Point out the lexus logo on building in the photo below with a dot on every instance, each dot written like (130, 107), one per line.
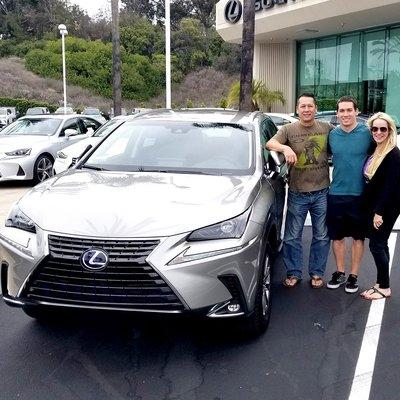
(233, 11)
(233, 8)
(94, 259)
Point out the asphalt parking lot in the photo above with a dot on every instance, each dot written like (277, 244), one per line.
(317, 347)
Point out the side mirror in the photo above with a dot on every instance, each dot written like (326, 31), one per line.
(70, 132)
(279, 158)
(277, 166)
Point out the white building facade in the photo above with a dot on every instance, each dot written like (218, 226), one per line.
(329, 47)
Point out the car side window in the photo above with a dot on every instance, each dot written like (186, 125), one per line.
(267, 130)
(89, 124)
(278, 120)
(71, 124)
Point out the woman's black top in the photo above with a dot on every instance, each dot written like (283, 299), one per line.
(382, 192)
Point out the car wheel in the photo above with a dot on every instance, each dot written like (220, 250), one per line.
(257, 322)
(43, 169)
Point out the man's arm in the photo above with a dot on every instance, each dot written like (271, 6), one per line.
(289, 154)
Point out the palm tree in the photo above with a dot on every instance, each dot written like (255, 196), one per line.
(116, 58)
(246, 72)
(262, 97)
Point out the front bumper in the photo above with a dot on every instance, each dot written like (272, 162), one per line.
(16, 168)
(206, 286)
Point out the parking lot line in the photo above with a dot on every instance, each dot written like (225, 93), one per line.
(361, 387)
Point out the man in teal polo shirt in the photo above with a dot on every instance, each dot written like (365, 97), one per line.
(349, 143)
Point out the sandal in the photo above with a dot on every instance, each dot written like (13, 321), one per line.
(291, 281)
(316, 282)
(374, 290)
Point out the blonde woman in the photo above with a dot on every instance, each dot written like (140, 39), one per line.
(382, 198)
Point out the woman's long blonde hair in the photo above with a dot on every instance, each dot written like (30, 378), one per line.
(387, 146)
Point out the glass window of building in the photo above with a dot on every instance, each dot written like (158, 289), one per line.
(365, 65)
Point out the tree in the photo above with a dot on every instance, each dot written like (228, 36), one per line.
(189, 45)
(141, 8)
(246, 72)
(116, 58)
(142, 37)
(261, 96)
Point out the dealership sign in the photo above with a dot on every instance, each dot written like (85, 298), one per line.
(234, 8)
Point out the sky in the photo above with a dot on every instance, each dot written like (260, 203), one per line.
(92, 6)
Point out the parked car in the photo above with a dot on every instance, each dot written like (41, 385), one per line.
(94, 113)
(68, 156)
(6, 116)
(123, 112)
(28, 147)
(280, 119)
(174, 212)
(37, 111)
(68, 110)
(330, 116)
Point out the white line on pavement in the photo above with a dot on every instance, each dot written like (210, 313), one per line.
(361, 387)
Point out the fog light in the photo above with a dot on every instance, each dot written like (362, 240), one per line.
(234, 307)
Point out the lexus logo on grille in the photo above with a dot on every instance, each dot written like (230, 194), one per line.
(94, 259)
(233, 11)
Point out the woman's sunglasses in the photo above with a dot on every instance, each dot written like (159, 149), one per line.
(383, 129)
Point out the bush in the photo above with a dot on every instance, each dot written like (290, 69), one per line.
(223, 103)
(89, 65)
(22, 104)
(326, 104)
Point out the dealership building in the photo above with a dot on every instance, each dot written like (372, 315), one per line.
(329, 47)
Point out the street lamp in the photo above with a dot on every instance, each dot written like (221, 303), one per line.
(63, 31)
(167, 54)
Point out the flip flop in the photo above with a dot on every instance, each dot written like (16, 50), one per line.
(375, 290)
(291, 281)
(316, 282)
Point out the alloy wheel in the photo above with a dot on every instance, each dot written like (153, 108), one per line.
(266, 287)
(44, 169)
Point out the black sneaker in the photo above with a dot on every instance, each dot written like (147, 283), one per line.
(338, 279)
(351, 284)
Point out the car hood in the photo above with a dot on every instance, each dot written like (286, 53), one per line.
(8, 143)
(110, 204)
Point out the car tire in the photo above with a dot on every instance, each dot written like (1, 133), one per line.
(43, 168)
(257, 322)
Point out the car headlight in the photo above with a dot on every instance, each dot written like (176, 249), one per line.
(17, 219)
(19, 152)
(62, 155)
(229, 229)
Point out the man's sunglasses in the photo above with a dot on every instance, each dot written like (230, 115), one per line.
(383, 129)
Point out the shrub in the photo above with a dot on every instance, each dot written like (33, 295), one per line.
(89, 65)
(22, 104)
(223, 103)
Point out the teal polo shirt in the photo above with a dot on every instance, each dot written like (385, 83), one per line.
(349, 153)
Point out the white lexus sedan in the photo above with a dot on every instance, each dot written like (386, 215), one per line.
(69, 155)
(29, 146)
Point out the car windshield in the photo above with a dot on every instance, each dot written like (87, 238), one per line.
(181, 147)
(91, 111)
(107, 128)
(3, 111)
(37, 126)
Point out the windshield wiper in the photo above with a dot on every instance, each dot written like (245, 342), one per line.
(146, 169)
(88, 166)
(177, 171)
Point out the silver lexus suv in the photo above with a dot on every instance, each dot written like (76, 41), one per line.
(174, 212)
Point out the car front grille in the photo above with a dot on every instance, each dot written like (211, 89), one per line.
(128, 281)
